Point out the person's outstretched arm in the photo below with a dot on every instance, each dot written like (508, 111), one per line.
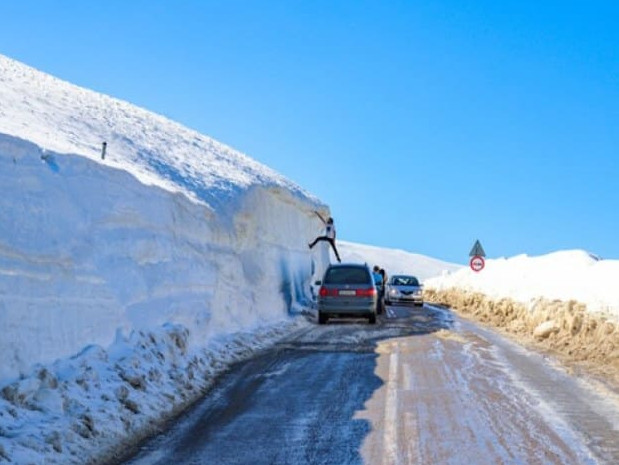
(320, 216)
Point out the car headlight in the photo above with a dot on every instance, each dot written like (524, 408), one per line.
(393, 292)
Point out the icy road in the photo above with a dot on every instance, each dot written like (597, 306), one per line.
(420, 387)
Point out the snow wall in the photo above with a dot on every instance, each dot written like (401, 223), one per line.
(88, 252)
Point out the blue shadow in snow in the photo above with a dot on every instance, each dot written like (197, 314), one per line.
(293, 288)
(50, 161)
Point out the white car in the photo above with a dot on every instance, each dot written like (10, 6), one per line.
(404, 289)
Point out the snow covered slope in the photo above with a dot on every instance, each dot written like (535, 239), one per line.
(171, 226)
(63, 118)
(396, 261)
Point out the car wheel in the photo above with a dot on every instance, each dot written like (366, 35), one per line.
(322, 318)
(372, 319)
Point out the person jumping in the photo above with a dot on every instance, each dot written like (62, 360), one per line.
(329, 235)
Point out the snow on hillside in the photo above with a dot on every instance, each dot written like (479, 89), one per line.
(66, 119)
(395, 261)
(564, 275)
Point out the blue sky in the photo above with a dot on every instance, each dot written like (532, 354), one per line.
(425, 125)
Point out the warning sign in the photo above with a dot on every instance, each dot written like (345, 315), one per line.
(477, 250)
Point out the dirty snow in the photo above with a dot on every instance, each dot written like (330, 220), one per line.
(566, 302)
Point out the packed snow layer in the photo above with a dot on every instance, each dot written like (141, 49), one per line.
(169, 226)
(563, 275)
(87, 251)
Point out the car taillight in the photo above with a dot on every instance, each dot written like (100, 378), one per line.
(324, 292)
(366, 292)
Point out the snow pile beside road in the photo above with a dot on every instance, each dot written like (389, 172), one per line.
(93, 407)
(566, 302)
(127, 282)
(564, 275)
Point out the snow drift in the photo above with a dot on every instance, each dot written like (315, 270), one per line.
(170, 226)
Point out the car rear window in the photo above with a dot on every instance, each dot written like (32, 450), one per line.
(347, 275)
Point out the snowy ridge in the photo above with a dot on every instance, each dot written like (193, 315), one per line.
(66, 119)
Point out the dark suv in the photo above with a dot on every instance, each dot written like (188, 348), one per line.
(347, 290)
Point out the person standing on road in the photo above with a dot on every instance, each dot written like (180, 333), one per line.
(383, 273)
(378, 277)
(379, 281)
(329, 235)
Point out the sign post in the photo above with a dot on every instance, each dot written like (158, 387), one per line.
(477, 255)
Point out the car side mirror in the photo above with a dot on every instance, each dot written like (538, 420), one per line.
(318, 283)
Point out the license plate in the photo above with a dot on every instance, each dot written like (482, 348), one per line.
(348, 292)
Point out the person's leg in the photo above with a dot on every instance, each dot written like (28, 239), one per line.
(337, 255)
(320, 238)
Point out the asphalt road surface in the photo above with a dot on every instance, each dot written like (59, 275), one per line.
(420, 387)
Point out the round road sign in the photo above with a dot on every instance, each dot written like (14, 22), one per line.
(477, 263)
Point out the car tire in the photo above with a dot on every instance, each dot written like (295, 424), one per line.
(322, 319)
(372, 319)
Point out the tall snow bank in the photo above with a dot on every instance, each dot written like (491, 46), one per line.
(170, 227)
